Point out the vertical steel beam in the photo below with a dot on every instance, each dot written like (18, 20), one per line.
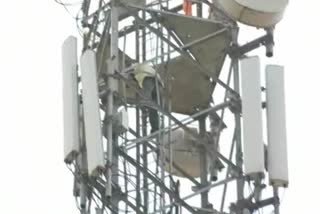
(82, 161)
(202, 151)
(236, 79)
(203, 163)
(111, 109)
(225, 186)
(276, 203)
(161, 153)
(111, 82)
(115, 174)
(239, 160)
(199, 10)
(145, 161)
(144, 127)
(138, 177)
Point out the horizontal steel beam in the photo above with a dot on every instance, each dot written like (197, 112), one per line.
(185, 122)
(205, 38)
(247, 204)
(239, 51)
(132, 28)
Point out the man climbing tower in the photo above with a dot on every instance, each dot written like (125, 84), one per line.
(187, 7)
(145, 75)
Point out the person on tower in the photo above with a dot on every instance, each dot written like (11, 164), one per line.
(187, 7)
(145, 75)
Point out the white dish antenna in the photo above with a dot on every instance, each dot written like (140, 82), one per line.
(258, 13)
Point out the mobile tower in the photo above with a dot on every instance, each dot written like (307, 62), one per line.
(186, 165)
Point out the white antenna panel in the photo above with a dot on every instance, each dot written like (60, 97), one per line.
(253, 147)
(258, 13)
(276, 123)
(91, 108)
(70, 99)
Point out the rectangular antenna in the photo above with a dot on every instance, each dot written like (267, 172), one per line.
(253, 147)
(93, 133)
(276, 123)
(70, 99)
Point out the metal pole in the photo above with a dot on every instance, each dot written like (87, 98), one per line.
(114, 85)
(236, 79)
(239, 160)
(144, 129)
(115, 174)
(199, 10)
(276, 200)
(123, 65)
(83, 166)
(145, 162)
(203, 163)
(202, 151)
(138, 195)
(224, 192)
(160, 123)
(157, 159)
(111, 82)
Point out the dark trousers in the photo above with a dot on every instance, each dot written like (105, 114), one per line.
(149, 90)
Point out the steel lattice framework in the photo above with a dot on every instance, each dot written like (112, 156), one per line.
(140, 171)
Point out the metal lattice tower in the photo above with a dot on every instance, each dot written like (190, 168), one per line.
(186, 165)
